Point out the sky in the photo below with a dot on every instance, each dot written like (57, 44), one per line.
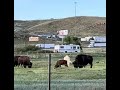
(57, 9)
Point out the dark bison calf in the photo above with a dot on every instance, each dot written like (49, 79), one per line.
(61, 62)
(82, 60)
(25, 61)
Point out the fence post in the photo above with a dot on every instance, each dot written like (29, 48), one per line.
(49, 72)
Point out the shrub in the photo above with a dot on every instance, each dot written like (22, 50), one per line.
(46, 51)
(28, 48)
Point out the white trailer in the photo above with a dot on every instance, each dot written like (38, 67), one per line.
(99, 39)
(67, 48)
(97, 45)
(46, 46)
(88, 38)
(83, 39)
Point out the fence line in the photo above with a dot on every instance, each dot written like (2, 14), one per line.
(37, 55)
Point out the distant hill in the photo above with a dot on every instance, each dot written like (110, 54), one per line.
(80, 26)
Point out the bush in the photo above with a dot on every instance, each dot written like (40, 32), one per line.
(32, 48)
(46, 51)
(28, 48)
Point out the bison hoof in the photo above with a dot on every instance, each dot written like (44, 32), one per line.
(24, 66)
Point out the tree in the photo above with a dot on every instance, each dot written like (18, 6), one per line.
(73, 40)
(67, 40)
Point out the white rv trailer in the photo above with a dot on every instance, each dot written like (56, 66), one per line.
(97, 45)
(46, 46)
(100, 39)
(67, 48)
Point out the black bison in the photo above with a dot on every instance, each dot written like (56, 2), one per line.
(82, 60)
(61, 62)
(16, 60)
(25, 61)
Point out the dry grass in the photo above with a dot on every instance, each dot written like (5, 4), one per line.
(83, 26)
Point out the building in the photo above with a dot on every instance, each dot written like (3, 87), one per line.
(98, 41)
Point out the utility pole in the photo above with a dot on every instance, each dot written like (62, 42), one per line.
(75, 16)
(49, 72)
(75, 8)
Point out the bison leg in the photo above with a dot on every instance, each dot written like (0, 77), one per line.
(24, 66)
(90, 65)
(29, 66)
(80, 66)
(18, 64)
(84, 66)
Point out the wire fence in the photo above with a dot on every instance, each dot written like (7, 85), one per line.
(36, 78)
(37, 55)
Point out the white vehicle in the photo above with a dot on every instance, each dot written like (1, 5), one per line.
(83, 39)
(88, 38)
(67, 48)
(46, 46)
(97, 45)
(99, 39)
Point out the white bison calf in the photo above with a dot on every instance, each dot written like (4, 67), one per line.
(67, 58)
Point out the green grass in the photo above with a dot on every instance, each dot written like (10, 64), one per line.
(40, 71)
(64, 85)
(36, 78)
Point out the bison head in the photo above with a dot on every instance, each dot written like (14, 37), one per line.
(76, 64)
(56, 66)
(30, 65)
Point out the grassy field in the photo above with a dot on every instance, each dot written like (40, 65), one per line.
(64, 78)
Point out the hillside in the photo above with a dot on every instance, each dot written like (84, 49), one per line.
(80, 26)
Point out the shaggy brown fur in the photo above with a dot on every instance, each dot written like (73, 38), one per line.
(61, 62)
(24, 60)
